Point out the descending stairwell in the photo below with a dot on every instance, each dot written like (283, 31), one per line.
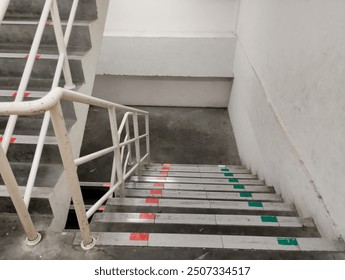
(218, 210)
(17, 32)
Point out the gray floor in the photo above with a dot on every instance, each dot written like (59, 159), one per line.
(178, 135)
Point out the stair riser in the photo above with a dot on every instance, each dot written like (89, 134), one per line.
(21, 37)
(25, 153)
(148, 209)
(87, 9)
(204, 229)
(37, 206)
(43, 68)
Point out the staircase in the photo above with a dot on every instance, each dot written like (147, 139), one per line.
(17, 32)
(197, 210)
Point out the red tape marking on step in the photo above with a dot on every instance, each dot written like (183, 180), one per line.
(155, 191)
(106, 185)
(36, 57)
(158, 185)
(101, 208)
(26, 94)
(161, 178)
(163, 173)
(166, 165)
(139, 236)
(11, 141)
(152, 200)
(147, 216)
(166, 169)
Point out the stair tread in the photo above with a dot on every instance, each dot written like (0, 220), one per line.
(203, 195)
(197, 187)
(195, 180)
(205, 204)
(215, 241)
(31, 139)
(200, 219)
(198, 174)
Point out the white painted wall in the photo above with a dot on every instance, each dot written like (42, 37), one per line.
(287, 105)
(175, 40)
(180, 38)
(174, 18)
(167, 56)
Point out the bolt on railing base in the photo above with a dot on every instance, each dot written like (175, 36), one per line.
(89, 246)
(35, 241)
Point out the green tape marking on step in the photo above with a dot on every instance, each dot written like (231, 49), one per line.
(255, 204)
(228, 174)
(233, 180)
(269, 219)
(225, 170)
(239, 187)
(246, 195)
(287, 241)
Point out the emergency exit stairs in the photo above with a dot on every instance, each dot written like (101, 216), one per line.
(203, 206)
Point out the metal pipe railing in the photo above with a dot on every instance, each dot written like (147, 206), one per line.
(51, 103)
(62, 65)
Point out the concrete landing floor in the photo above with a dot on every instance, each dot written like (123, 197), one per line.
(177, 135)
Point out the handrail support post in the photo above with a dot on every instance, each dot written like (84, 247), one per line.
(64, 144)
(137, 143)
(33, 237)
(117, 153)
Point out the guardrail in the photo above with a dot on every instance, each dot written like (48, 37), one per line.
(51, 103)
(62, 39)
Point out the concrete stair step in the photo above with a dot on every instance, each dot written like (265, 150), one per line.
(195, 167)
(232, 242)
(197, 205)
(23, 147)
(35, 84)
(20, 34)
(31, 9)
(39, 203)
(229, 196)
(197, 174)
(202, 219)
(225, 181)
(204, 229)
(31, 125)
(12, 66)
(187, 187)
(48, 173)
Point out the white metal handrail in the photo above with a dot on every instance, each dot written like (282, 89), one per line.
(50, 7)
(51, 103)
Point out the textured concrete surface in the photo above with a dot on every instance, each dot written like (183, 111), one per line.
(178, 135)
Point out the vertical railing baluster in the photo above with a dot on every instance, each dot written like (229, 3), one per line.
(137, 143)
(117, 152)
(147, 132)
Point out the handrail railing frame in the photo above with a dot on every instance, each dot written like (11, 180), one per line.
(51, 103)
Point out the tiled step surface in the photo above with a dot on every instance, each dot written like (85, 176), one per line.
(216, 241)
(32, 9)
(203, 206)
